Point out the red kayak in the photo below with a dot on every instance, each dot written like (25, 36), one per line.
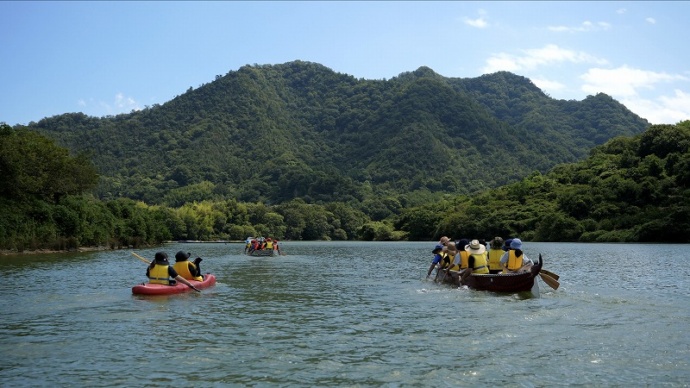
(163, 289)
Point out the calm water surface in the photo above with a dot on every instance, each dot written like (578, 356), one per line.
(350, 314)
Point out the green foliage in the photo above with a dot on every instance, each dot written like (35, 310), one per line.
(299, 152)
(31, 165)
(629, 189)
(299, 130)
(380, 231)
(619, 193)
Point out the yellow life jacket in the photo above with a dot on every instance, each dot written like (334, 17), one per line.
(182, 269)
(446, 260)
(464, 255)
(514, 262)
(495, 259)
(464, 259)
(269, 244)
(480, 264)
(159, 274)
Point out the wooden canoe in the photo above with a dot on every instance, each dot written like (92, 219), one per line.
(512, 282)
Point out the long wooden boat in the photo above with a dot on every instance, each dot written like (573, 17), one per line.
(511, 282)
(261, 252)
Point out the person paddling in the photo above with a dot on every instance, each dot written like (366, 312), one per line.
(515, 260)
(160, 271)
(495, 254)
(276, 247)
(437, 259)
(476, 261)
(187, 269)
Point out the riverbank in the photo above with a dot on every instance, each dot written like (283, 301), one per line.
(7, 252)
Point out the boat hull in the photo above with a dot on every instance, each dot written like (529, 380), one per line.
(179, 288)
(512, 282)
(262, 253)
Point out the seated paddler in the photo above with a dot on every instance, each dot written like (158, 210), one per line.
(161, 272)
(476, 261)
(515, 260)
(437, 259)
(187, 269)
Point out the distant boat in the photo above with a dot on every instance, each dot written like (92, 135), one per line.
(262, 252)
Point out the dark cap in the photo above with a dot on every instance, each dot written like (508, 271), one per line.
(181, 256)
(161, 257)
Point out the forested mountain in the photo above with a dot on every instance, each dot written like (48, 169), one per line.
(299, 152)
(271, 133)
(628, 189)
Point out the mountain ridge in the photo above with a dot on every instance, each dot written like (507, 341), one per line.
(272, 133)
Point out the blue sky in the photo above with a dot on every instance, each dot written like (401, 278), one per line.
(106, 58)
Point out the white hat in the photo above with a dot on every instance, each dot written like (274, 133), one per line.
(475, 247)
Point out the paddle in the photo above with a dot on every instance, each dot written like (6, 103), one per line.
(190, 285)
(141, 258)
(553, 275)
(551, 282)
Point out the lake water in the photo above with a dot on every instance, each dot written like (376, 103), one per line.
(351, 314)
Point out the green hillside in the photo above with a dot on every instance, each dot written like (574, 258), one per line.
(630, 189)
(273, 133)
(299, 152)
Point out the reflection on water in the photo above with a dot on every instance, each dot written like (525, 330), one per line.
(346, 314)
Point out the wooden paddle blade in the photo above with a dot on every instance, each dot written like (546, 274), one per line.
(553, 275)
(551, 282)
(141, 258)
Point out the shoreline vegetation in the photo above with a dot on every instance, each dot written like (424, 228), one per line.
(14, 252)
(628, 190)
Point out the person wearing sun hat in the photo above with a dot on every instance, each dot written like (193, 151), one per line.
(515, 259)
(459, 259)
(437, 258)
(450, 253)
(440, 255)
(476, 262)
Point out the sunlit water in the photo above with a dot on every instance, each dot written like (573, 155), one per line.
(346, 314)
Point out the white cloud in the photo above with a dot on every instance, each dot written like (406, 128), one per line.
(680, 101)
(664, 110)
(586, 26)
(650, 20)
(120, 104)
(501, 61)
(621, 11)
(623, 81)
(479, 22)
(629, 85)
(533, 58)
(548, 86)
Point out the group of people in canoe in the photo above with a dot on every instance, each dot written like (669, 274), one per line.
(466, 257)
(161, 272)
(261, 243)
